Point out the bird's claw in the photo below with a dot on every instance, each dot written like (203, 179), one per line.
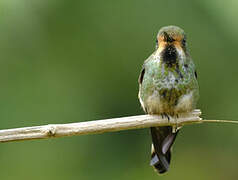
(164, 115)
(176, 127)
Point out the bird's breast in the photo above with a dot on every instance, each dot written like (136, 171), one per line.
(166, 90)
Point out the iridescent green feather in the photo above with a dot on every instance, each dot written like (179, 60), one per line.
(158, 77)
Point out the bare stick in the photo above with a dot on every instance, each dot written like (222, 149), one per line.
(220, 121)
(99, 126)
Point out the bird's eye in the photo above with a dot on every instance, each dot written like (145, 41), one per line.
(184, 42)
(156, 45)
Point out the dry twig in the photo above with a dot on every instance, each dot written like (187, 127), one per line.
(99, 126)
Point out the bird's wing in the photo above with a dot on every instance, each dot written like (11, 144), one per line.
(141, 76)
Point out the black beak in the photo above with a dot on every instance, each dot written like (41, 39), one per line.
(168, 38)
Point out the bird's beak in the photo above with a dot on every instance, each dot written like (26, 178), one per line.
(167, 38)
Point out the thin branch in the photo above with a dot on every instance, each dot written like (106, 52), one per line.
(99, 126)
(220, 121)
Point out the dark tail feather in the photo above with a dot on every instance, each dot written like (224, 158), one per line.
(163, 139)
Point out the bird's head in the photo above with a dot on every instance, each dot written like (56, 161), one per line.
(171, 43)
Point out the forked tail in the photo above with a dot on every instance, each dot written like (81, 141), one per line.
(163, 139)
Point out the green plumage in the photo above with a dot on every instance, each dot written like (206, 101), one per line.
(168, 86)
(162, 87)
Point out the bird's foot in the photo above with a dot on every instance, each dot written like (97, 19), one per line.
(164, 115)
(176, 127)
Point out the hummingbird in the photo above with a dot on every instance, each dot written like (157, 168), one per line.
(168, 87)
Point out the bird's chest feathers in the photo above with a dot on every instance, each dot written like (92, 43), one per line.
(165, 77)
(169, 87)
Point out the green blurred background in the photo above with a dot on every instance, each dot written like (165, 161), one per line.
(69, 61)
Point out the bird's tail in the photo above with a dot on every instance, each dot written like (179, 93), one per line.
(163, 139)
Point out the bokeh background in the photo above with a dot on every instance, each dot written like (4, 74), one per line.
(69, 61)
